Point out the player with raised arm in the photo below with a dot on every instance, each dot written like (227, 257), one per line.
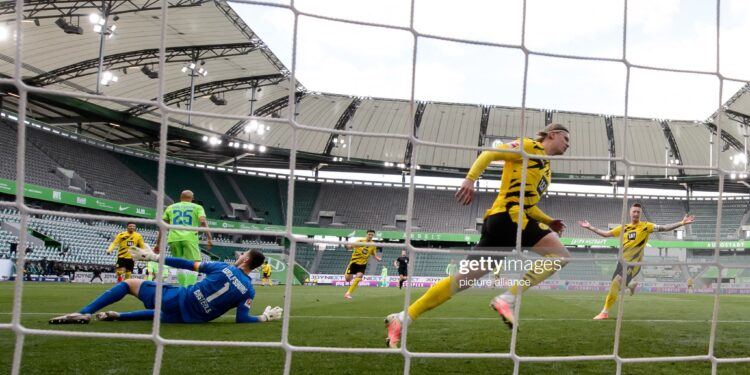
(224, 287)
(357, 265)
(402, 263)
(184, 243)
(635, 238)
(124, 240)
(539, 231)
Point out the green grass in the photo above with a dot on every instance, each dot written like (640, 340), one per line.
(552, 324)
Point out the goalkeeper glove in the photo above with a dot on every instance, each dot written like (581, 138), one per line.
(271, 313)
(143, 254)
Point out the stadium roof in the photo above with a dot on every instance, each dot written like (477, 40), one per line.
(246, 77)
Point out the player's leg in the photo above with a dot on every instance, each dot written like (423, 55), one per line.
(119, 271)
(632, 273)
(348, 275)
(129, 265)
(492, 237)
(109, 316)
(545, 243)
(614, 290)
(355, 282)
(107, 298)
(190, 251)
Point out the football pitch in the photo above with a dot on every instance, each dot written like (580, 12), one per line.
(552, 324)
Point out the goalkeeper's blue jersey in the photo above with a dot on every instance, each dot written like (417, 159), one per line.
(224, 287)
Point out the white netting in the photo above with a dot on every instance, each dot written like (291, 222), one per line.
(24, 210)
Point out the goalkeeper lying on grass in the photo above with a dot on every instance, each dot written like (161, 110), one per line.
(223, 288)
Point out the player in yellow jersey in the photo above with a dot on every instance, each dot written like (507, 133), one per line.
(634, 241)
(123, 241)
(501, 221)
(357, 265)
(265, 271)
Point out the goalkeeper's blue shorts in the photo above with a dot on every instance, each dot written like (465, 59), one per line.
(170, 300)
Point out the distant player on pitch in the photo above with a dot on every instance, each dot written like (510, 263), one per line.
(634, 241)
(124, 240)
(402, 263)
(265, 271)
(357, 265)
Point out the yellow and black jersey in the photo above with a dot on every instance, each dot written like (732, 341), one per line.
(634, 240)
(538, 178)
(265, 269)
(125, 240)
(363, 252)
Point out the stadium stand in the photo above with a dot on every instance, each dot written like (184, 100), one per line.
(106, 177)
(39, 167)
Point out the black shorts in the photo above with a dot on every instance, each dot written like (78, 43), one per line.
(500, 231)
(266, 275)
(126, 263)
(403, 272)
(631, 273)
(353, 268)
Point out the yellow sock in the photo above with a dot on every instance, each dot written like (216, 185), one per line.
(614, 289)
(127, 275)
(545, 269)
(435, 296)
(355, 282)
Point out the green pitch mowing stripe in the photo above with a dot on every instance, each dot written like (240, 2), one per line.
(552, 324)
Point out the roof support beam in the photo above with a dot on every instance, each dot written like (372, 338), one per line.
(210, 88)
(672, 144)
(726, 137)
(421, 106)
(40, 9)
(140, 58)
(270, 109)
(608, 123)
(483, 123)
(341, 125)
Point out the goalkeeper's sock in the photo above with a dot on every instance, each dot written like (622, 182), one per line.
(355, 282)
(127, 275)
(137, 315)
(442, 291)
(532, 277)
(614, 289)
(107, 298)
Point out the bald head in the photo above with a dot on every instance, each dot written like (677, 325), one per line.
(186, 196)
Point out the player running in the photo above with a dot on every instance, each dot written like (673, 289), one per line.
(539, 231)
(358, 263)
(124, 240)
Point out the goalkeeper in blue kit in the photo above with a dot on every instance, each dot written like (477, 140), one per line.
(224, 287)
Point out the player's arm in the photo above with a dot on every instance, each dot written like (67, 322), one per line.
(465, 193)
(537, 214)
(269, 314)
(204, 224)
(158, 236)
(140, 242)
(113, 244)
(603, 233)
(687, 220)
(375, 254)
